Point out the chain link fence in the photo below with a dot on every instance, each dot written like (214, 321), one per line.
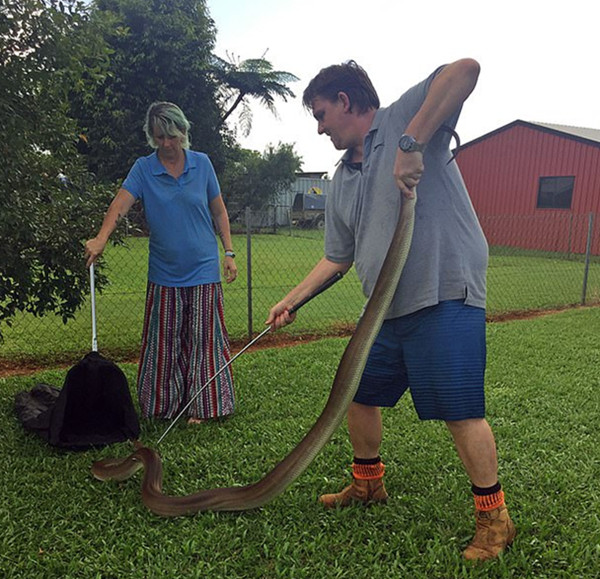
(536, 263)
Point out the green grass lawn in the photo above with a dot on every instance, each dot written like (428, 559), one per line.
(517, 281)
(530, 282)
(278, 263)
(543, 394)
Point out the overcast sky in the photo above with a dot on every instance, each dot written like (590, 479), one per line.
(539, 58)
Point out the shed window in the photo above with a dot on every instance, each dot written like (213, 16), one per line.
(555, 192)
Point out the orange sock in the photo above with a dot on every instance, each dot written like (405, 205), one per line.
(369, 471)
(488, 499)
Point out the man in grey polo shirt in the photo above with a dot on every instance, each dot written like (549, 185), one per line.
(433, 339)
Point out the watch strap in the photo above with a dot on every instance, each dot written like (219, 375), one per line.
(409, 144)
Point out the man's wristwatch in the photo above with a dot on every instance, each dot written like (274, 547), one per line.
(409, 144)
(229, 253)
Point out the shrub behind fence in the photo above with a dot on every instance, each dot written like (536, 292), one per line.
(273, 256)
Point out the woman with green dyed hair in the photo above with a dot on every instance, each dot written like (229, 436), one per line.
(169, 119)
(184, 339)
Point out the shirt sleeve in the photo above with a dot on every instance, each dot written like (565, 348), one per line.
(213, 189)
(411, 101)
(339, 214)
(134, 182)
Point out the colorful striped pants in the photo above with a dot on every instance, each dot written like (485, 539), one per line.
(184, 344)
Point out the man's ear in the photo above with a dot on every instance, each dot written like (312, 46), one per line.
(345, 100)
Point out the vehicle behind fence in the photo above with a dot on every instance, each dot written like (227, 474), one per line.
(273, 255)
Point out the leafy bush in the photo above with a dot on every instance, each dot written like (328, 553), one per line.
(48, 201)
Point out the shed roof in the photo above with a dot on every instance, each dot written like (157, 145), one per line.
(591, 136)
(586, 133)
(311, 175)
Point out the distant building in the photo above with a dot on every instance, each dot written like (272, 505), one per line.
(534, 185)
(315, 182)
(312, 175)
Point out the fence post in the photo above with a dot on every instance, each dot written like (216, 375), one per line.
(249, 267)
(569, 246)
(588, 253)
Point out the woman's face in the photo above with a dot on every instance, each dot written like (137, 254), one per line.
(169, 148)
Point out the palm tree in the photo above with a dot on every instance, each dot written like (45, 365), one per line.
(255, 78)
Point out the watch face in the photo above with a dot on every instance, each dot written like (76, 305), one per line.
(406, 143)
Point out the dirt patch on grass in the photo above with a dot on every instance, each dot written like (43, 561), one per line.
(529, 314)
(9, 368)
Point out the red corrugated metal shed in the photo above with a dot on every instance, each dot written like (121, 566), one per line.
(502, 171)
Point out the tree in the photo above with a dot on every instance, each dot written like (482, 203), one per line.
(161, 50)
(47, 199)
(255, 78)
(255, 180)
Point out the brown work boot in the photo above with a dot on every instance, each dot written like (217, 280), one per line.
(494, 532)
(361, 491)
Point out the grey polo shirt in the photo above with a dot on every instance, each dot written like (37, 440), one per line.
(449, 253)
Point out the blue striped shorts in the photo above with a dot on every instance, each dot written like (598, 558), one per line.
(438, 353)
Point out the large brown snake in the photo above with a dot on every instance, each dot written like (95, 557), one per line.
(344, 387)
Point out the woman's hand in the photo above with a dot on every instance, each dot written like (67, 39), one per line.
(93, 250)
(230, 270)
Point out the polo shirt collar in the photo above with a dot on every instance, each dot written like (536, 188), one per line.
(375, 136)
(158, 168)
(345, 160)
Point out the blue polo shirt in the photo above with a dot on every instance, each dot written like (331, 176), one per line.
(183, 244)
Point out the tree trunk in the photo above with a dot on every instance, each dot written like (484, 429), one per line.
(234, 106)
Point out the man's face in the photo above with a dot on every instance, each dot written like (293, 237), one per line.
(332, 118)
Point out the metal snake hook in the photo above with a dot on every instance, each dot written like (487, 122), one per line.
(326, 285)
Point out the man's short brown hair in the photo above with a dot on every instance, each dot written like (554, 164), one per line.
(348, 78)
